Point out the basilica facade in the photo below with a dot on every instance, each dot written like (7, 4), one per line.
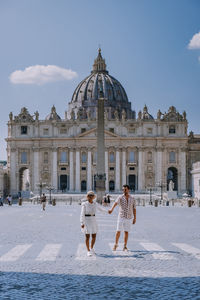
(144, 151)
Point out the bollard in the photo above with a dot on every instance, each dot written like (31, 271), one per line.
(143, 202)
(156, 203)
(20, 201)
(189, 203)
(54, 202)
(167, 203)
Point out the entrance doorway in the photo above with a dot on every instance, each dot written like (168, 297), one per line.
(131, 182)
(63, 182)
(111, 186)
(83, 185)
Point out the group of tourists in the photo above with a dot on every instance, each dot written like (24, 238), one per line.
(126, 217)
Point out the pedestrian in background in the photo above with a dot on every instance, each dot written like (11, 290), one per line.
(88, 221)
(1, 201)
(43, 201)
(9, 199)
(127, 215)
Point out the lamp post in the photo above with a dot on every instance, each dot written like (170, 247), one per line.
(41, 185)
(50, 189)
(149, 188)
(161, 185)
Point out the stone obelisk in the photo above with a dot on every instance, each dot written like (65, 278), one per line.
(100, 176)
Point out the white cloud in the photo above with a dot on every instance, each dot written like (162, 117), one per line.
(195, 42)
(41, 74)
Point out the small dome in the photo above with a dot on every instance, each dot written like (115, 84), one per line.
(97, 85)
(53, 115)
(146, 115)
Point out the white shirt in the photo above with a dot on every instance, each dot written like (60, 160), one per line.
(89, 209)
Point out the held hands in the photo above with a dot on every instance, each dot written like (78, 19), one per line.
(134, 220)
(110, 211)
(82, 226)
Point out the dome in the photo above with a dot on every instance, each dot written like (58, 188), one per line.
(100, 84)
(146, 115)
(53, 115)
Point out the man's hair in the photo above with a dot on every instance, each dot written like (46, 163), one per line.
(126, 186)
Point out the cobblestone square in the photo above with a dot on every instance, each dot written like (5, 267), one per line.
(43, 256)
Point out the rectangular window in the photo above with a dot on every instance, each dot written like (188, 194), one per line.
(83, 168)
(131, 168)
(95, 158)
(111, 157)
(131, 157)
(172, 157)
(149, 130)
(24, 130)
(172, 129)
(46, 131)
(131, 129)
(111, 130)
(24, 157)
(83, 157)
(63, 130)
(46, 158)
(63, 157)
(83, 130)
(112, 168)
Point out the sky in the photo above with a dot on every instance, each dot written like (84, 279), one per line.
(152, 47)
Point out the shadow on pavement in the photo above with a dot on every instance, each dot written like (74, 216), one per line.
(20, 285)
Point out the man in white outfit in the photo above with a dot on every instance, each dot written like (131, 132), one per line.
(126, 217)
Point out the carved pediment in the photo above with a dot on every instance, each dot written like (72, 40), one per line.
(93, 133)
(172, 115)
(24, 116)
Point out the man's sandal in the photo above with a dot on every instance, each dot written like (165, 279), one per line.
(125, 248)
(115, 247)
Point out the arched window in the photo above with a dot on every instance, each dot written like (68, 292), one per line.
(111, 157)
(83, 157)
(131, 156)
(24, 157)
(63, 157)
(172, 157)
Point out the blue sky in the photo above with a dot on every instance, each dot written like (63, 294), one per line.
(145, 44)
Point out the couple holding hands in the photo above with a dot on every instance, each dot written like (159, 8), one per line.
(126, 217)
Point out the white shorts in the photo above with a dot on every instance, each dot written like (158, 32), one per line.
(124, 224)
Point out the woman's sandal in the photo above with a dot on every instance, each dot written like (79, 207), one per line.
(115, 247)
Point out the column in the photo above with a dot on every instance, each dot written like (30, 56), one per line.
(13, 161)
(54, 180)
(89, 170)
(117, 171)
(36, 173)
(71, 170)
(124, 166)
(77, 183)
(140, 170)
(106, 170)
(182, 164)
(158, 164)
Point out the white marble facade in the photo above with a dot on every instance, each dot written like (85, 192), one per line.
(141, 150)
